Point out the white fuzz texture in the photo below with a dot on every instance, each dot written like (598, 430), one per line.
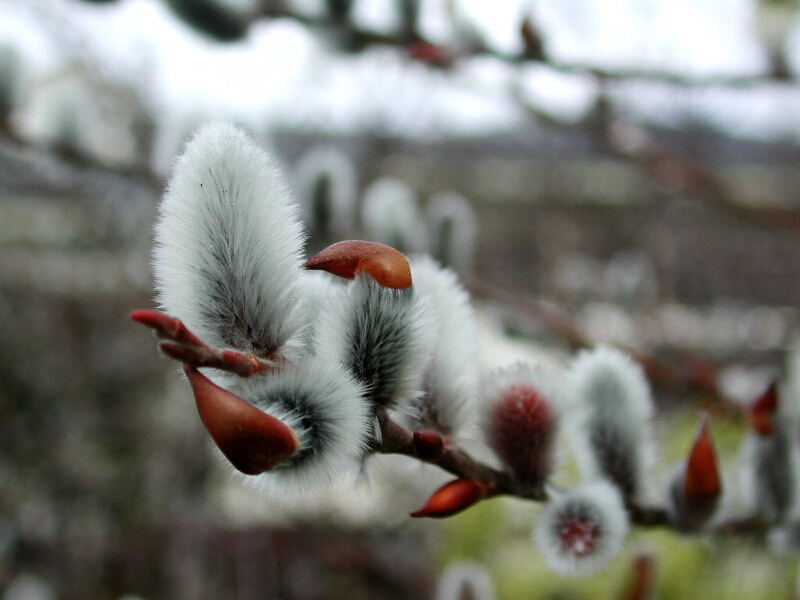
(453, 228)
(229, 244)
(390, 215)
(327, 409)
(465, 580)
(609, 428)
(769, 472)
(535, 376)
(597, 505)
(449, 401)
(318, 290)
(382, 336)
(328, 167)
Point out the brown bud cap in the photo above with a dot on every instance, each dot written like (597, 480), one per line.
(387, 266)
(452, 498)
(428, 444)
(761, 412)
(252, 440)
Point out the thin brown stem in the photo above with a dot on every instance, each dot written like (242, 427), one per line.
(181, 344)
(396, 439)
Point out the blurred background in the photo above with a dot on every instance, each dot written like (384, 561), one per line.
(622, 171)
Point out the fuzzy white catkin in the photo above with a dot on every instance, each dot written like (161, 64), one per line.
(461, 577)
(318, 290)
(449, 401)
(769, 472)
(332, 163)
(597, 503)
(383, 336)
(228, 244)
(453, 228)
(390, 215)
(228, 263)
(326, 407)
(609, 422)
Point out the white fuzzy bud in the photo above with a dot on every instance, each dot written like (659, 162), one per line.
(448, 403)
(581, 530)
(462, 580)
(390, 215)
(769, 472)
(609, 429)
(383, 336)
(229, 245)
(325, 183)
(326, 408)
(453, 228)
(318, 290)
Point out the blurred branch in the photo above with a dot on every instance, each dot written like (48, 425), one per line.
(351, 38)
(395, 439)
(678, 174)
(691, 372)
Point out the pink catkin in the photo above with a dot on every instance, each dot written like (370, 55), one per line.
(522, 429)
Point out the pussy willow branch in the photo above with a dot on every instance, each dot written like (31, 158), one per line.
(353, 39)
(181, 344)
(679, 377)
(396, 439)
(176, 341)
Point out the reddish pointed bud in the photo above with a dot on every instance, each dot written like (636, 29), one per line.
(252, 440)
(522, 430)
(701, 481)
(641, 585)
(695, 492)
(428, 444)
(761, 412)
(387, 266)
(452, 498)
